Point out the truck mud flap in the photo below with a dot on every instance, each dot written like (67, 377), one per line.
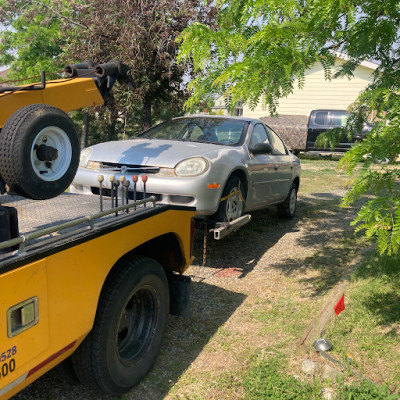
(8, 226)
(179, 288)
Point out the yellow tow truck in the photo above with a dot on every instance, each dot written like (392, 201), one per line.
(89, 289)
(86, 284)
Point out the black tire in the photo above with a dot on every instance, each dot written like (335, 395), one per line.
(287, 209)
(129, 326)
(233, 206)
(39, 151)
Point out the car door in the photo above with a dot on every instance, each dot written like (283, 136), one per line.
(283, 167)
(261, 172)
(318, 123)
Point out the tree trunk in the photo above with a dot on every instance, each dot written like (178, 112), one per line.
(146, 112)
(112, 133)
(85, 130)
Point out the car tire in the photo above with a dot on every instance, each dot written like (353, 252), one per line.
(231, 205)
(129, 326)
(39, 151)
(287, 209)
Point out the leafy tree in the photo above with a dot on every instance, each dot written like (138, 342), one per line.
(46, 34)
(141, 33)
(30, 40)
(262, 49)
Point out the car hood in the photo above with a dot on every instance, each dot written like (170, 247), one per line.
(152, 152)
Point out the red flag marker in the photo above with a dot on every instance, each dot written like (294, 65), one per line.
(339, 307)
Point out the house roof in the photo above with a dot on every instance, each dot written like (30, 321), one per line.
(367, 64)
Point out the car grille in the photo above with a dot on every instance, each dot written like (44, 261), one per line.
(130, 168)
(139, 195)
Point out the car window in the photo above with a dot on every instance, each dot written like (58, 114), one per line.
(322, 117)
(259, 135)
(229, 132)
(210, 130)
(195, 133)
(277, 144)
(339, 118)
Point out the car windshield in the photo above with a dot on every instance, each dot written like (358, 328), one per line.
(218, 130)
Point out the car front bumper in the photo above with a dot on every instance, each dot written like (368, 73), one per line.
(180, 191)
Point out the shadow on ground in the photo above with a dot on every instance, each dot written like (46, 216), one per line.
(185, 339)
(383, 305)
(325, 228)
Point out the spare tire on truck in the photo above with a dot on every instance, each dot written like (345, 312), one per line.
(39, 151)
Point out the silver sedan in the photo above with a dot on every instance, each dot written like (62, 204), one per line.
(220, 165)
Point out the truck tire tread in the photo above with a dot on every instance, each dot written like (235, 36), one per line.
(14, 159)
(97, 362)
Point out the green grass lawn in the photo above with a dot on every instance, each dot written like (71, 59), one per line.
(367, 332)
(323, 175)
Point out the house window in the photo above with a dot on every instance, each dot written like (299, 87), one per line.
(238, 112)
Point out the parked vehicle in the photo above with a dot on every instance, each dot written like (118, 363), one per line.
(88, 291)
(219, 165)
(322, 120)
(300, 132)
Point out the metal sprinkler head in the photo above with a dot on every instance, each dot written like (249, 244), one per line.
(322, 345)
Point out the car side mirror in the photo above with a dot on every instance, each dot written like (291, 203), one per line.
(261, 148)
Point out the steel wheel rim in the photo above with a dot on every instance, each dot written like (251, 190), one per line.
(136, 324)
(234, 205)
(56, 138)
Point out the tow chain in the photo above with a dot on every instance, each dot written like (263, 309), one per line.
(205, 244)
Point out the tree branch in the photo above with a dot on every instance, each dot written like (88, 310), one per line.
(58, 14)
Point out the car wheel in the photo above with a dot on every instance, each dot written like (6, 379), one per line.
(129, 326)
(287, 209)
(39, 151)
(232, 201)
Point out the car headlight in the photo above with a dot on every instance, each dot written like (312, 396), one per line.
(85, 156)
(192, 167)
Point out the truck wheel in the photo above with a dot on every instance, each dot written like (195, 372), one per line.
(233, 205)
(288, 207)
(129, 326)
(39, 151)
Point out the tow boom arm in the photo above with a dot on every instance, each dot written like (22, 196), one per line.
(39, 147)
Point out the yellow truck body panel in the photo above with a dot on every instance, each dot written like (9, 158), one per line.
(66, 284)
(65, 94)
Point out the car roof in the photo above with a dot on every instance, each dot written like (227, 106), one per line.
(219, 117)
(328, 109)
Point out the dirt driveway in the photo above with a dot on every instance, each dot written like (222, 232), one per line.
(258, 291)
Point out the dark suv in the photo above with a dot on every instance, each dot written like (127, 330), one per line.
(322, 120)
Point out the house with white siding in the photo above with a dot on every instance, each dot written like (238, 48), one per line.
(317, 93)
